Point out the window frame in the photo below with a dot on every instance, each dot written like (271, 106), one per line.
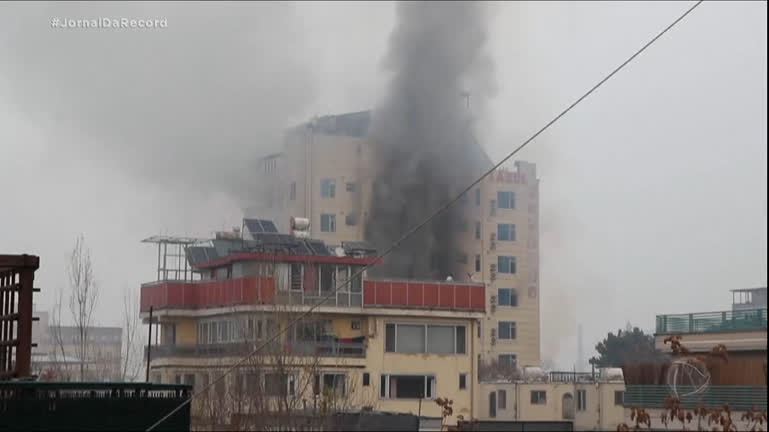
(509, 199)
(463, 381)
(330, 222)
(512, 327)
(619, 394)
(512, 296)
(512, 268)
(537, 400)
(508, 229)
(430, 386)
(581, 400)
(392, 348)
(327, 188)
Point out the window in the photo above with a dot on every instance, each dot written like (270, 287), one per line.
(477, 230)
(178, 380)
(507, 360)
(421, 338)
(477, 197)
(619, 397)
(351, 219)
(502, 399)
(493, 404)
(350, 187)
(506, 199)
(366, 379)
(477, 263)
(507, 297)
(292, 191)
(538, 397)
(462, 381)
(407, 387)
(277, 384)
(328, 223)
(506, 232)
(327, 188)
(355, 324)
(506, 330)
(581, 400)
(334, 384)
(506, 264)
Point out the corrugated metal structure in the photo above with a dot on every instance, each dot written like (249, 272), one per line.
(26, 406)
(739, 398)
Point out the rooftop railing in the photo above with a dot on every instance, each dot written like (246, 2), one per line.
(709, 322)
(320, 349)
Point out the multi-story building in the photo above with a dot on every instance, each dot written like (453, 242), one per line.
(325, 172)
(392, 345)
(58, 354)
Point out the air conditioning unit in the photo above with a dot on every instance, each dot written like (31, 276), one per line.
(493, 271)
(493, 303)
(493, 211)
(493, 241)
(493, 336)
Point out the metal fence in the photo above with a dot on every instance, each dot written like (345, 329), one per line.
(706, 322)
(739, 398)
(91, 406)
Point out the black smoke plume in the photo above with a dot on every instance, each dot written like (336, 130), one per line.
(422, 132)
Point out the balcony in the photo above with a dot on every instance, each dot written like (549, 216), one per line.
(712, 322)
(319, 349)
(466, 297)
(207, 294)
(739, 398)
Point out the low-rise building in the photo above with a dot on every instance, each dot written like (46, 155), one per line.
(590, 401)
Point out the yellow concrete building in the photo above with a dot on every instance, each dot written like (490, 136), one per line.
(325, 172)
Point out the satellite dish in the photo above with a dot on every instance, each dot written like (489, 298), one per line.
(339, 252)
(688, 376)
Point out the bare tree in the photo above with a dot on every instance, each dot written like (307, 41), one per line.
(59, 368)
(83, 296)
(131, 355)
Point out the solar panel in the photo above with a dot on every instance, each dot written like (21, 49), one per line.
(274, 239)
(317, 247)
(268, 226)
(199, 254)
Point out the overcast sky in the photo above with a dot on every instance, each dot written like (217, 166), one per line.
(653, 191)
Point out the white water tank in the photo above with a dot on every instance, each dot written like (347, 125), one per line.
(611, 374)
(300, 224)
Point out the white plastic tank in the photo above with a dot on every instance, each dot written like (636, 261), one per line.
(611, 374)
(299, 224)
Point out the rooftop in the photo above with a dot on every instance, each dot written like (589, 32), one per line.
(712, 322)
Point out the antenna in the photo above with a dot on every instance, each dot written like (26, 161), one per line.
(580, 350)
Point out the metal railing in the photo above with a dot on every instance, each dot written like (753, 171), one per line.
(321, 349)
(739, 398)
(91, 406)
(707, 322)
(340, 299)
(572, 377)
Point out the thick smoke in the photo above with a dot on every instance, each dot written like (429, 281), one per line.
(423, 132)
(190, 106)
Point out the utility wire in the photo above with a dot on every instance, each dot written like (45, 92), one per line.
(421, 225)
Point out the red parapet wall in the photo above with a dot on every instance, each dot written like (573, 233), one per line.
(424, 295)
(205, 294)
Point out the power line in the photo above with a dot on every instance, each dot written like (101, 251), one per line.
(421, 225)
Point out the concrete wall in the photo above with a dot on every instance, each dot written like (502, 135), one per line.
(599, 413)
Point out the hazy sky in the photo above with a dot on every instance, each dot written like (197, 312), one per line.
(653, 191)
